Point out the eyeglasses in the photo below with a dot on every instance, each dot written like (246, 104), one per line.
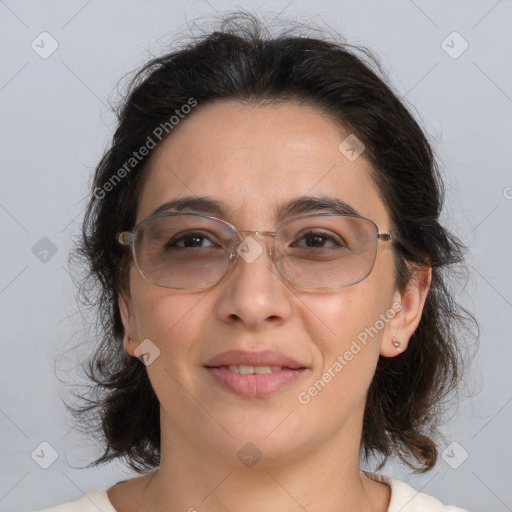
(192, 251)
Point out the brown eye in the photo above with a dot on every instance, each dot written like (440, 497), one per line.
(188, 240)
(319, 239)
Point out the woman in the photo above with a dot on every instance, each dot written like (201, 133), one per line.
(264, 231)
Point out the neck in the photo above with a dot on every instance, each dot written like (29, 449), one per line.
(323, 478)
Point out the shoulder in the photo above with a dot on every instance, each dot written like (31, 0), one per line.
(405, 498)
(91, 502)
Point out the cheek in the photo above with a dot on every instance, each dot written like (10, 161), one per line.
(335, 320)
(346, 330)
(347, 327)
(169, 319)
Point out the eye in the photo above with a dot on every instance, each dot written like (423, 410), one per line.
(189, 240)
(319, 239)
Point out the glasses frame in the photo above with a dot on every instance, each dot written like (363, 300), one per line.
(127, 238)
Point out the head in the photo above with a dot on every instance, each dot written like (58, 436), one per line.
(258, 124)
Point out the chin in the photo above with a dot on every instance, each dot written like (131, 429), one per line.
(267, 436)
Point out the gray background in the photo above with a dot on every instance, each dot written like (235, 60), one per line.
(55, 123)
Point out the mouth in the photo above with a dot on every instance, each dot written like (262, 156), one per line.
(251, 370)
(254, 374)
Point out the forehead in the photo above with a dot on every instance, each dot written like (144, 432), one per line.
(254, 159)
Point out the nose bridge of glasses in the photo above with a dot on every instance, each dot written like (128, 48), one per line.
(260, 233)
(242, 236)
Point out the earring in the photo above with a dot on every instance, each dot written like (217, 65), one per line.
(396, 344)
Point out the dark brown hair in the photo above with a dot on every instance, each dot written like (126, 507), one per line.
(241, 61)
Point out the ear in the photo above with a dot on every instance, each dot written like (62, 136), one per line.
(130, 329)
(409, 305)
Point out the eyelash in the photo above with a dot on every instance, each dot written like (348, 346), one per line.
(196, 234)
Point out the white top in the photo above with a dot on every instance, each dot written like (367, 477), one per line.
(403, 499)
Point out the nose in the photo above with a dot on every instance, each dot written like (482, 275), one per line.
(253, 292)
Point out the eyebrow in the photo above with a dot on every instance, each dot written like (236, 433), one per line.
(297, 206)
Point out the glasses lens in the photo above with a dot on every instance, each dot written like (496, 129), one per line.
(183, 251)
(327, 251)
(192, 251)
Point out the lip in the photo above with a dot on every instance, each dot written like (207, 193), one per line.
(254, 385)
(264, 358)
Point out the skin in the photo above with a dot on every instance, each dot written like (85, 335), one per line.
(254, 158)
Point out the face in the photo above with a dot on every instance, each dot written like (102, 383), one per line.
(255, 159)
